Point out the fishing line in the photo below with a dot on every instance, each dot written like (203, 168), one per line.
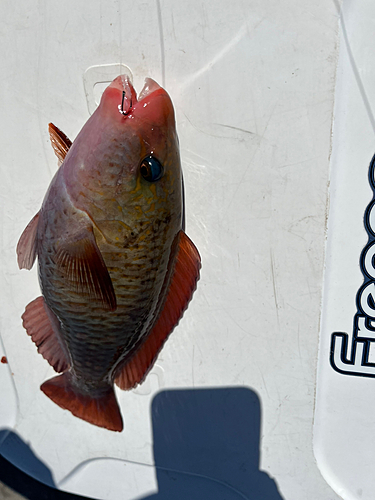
(355, 70)
(122, 71)
(161, 37)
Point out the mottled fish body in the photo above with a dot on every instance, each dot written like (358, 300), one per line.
(116, 269)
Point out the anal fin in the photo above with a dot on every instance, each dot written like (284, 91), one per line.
(42, 326)
(182, 286)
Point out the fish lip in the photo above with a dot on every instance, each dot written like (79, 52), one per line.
(127, 101)
(122, 83)
(149, 87)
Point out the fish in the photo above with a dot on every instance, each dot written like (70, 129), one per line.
(116, 268)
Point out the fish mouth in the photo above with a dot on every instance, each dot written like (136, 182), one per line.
(124, 84)
(129, 96)
(149, 87)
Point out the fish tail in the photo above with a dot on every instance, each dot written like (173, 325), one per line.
(102, 411)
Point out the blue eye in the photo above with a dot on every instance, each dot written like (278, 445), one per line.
(151, 169)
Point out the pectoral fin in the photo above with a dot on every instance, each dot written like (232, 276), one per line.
(27, 244)
(60, 142)
(182, 286)
(82, 263)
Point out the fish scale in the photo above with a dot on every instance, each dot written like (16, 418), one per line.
(121, 328)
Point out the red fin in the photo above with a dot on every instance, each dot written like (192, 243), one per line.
(182, 286)
(82, 263)
(60, 142)
(26, 247)
(102, 411)
(43, 327)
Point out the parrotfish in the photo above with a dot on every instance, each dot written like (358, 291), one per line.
(116, 269)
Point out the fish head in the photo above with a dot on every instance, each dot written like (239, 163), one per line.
(145, 124)
(127, 157)
(145, 131)
(120, 100)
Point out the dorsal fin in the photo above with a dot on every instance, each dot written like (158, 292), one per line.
(43, 327)
(27, 245)
(182, 286)
(60, 142)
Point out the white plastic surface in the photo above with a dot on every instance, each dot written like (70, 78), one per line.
(253, 86)
(344, 421)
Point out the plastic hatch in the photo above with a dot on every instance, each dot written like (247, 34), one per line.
(344, 429)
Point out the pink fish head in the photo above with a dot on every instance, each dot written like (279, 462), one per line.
(150, 116)
(125, 163)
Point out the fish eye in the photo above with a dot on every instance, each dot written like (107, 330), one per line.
(151, 169)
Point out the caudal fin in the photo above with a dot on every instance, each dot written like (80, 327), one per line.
(103, 411)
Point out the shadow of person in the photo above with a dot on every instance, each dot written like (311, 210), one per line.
(17, 452)
(206, 446)
(22, 471)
